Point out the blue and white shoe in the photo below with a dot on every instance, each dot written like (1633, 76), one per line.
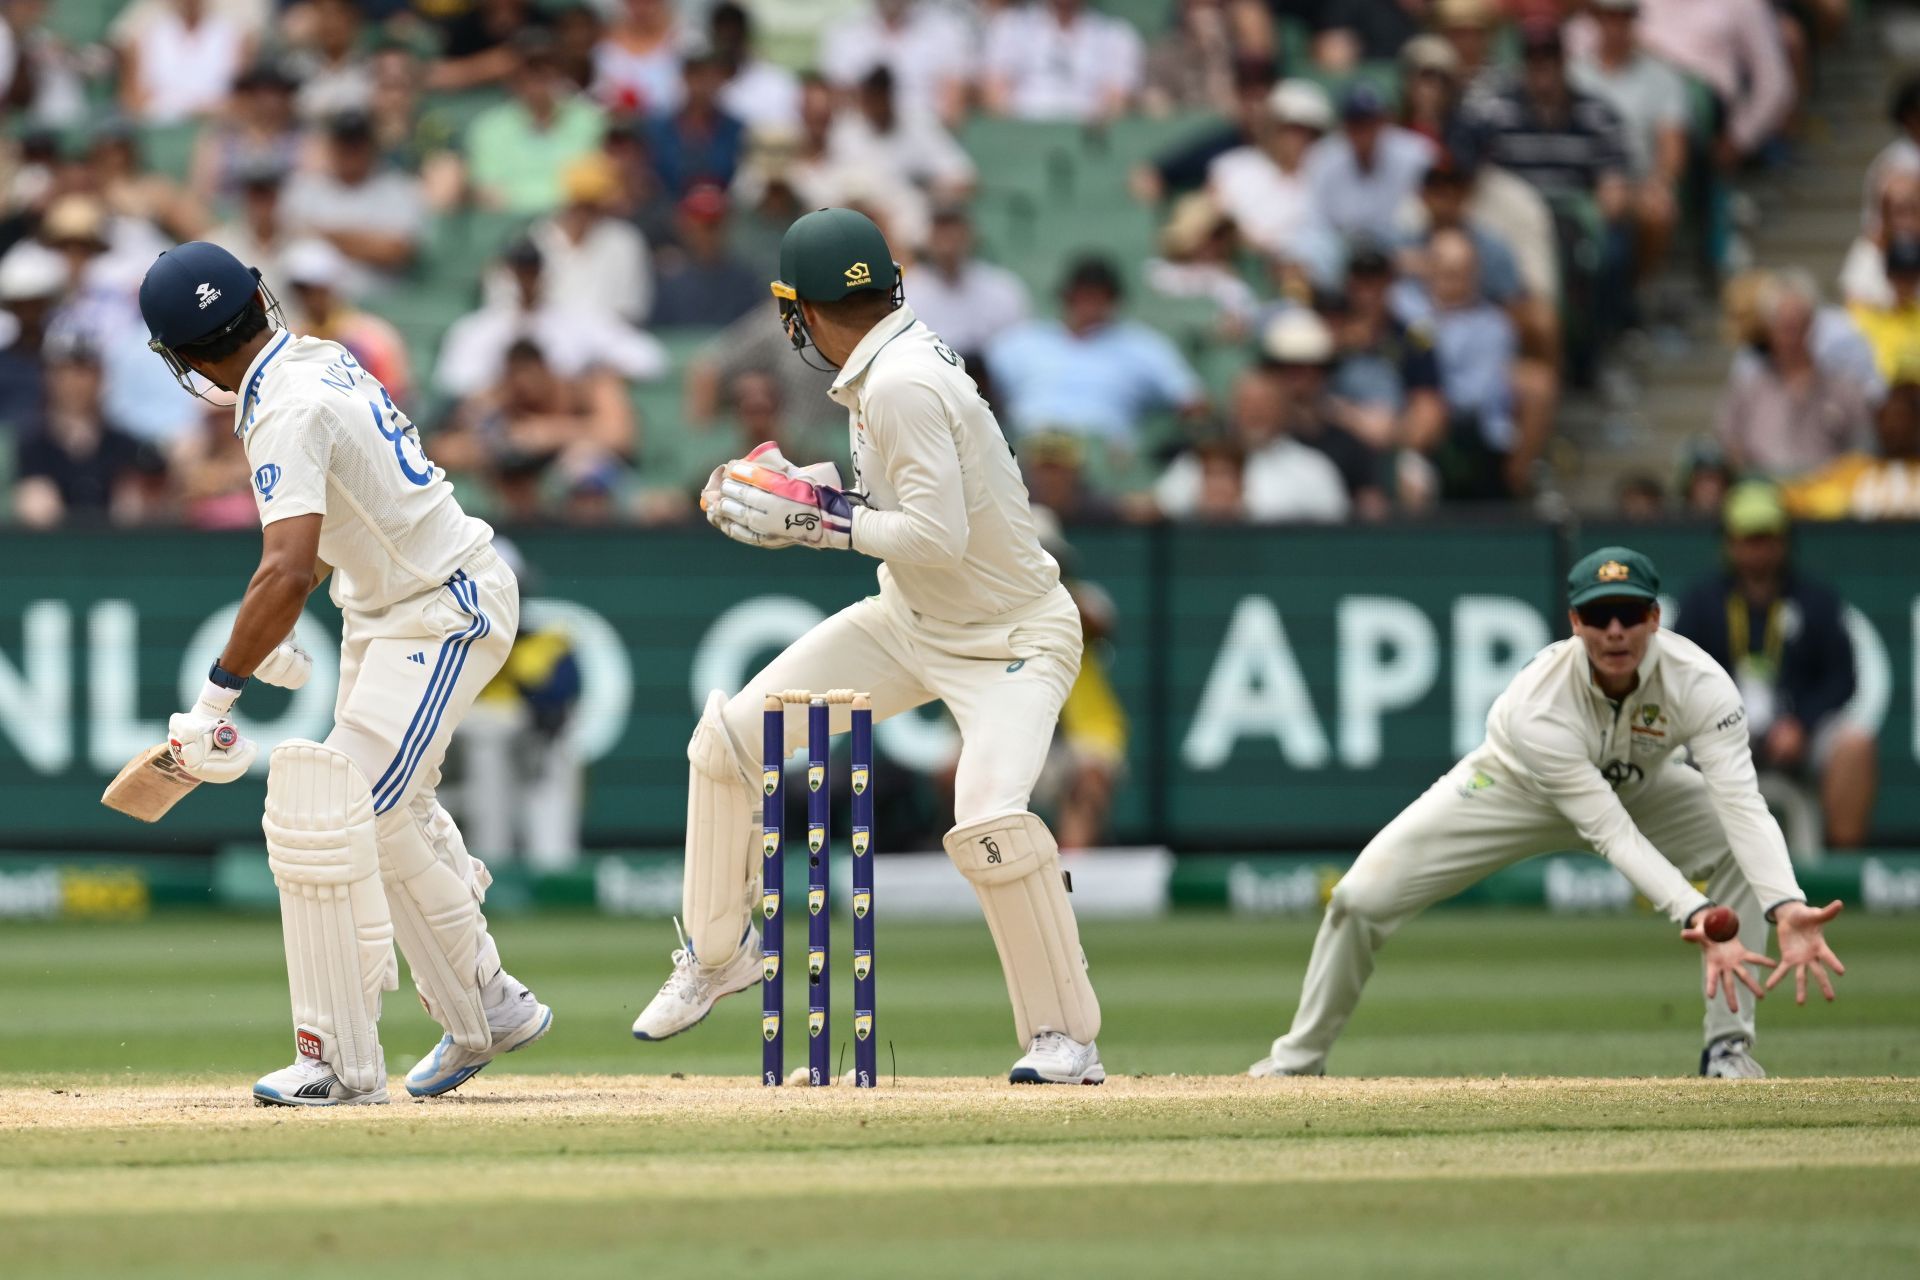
(692, 989)
(1057, 1058)
(311, 1082)
(521, 1019)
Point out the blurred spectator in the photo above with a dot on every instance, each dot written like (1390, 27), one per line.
(1265, 187)
(756, 412)
(1566, 143)
(1385, 374)
(1090, 372)
(256, 129)
(101, 307)
(211, 475)
(957, 295)
(1901, 157)
(1650, 101)
(642, 200)
(637, 63)
(1734, 48)
(1191, 67)
(373, 214)
(930, 50)
(73, 463)
(258, 234)
(178, 58)
(1360, 176)
(577, 29)
(1783, 638)
(533, 421)
(1296, 355)
(699, 142)
(758, 93)
(473, 354)
(1184, 166)
(1349, 32)
(1840, 350)
(518, 150)
(1059, 60)
(1443, 201)
(1430, 87)
(1198, 248)
(1470, 27)
(408, 137)
(134, 192)
(1639, 498)
(702, 283)
(1893, 330)
(40, 75)
(590, 259)
(1863, 486)
(1279, 478)
(1088, 758)
(334, 76)
(875, 137)
(1786, 413)
(476, 41)
(1705, 478)
(757, 343)
(1055, 467)
(315, 271)
(1500, 407)
(32, 278)
(1863, 276)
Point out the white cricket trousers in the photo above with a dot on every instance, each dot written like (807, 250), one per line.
(1456, 835)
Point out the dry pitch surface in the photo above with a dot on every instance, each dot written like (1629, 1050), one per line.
(605, 1175)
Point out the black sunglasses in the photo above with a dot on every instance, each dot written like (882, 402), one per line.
(1601, 613)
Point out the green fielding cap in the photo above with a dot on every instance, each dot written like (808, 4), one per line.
(830, 253)
(1610, 572)
(1754, 508)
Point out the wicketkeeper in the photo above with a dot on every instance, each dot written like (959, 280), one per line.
(970, 611)
(1583, 751)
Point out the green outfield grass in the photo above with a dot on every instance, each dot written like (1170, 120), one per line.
(1456, 993)
(127, 1145)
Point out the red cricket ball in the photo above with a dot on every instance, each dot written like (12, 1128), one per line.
(1720, 924)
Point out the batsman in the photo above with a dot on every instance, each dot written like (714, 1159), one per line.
(1584, 750)
(361, 851)
(970, 611)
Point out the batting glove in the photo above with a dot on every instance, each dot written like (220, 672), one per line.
(288, 666)
(205, 742)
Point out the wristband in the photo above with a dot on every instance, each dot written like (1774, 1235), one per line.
(226, 679)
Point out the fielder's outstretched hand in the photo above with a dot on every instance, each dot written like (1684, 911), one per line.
(1803, 947)
(1727, 964)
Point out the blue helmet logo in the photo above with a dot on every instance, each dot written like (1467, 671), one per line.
(265, 478)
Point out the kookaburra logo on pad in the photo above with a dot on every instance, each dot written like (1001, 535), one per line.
(207, 294)
(803, 520)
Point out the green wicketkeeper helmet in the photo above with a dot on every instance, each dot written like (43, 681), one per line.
(828, 255)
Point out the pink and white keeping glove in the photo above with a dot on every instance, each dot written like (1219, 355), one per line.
(764, 500)
(205, 742)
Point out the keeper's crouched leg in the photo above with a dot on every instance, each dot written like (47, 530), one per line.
(321, 848)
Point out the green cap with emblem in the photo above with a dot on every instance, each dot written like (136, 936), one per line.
(1612, 572)
(830, 253)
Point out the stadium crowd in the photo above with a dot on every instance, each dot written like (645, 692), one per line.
(1400, 234)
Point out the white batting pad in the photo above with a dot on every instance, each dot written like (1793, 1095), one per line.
(436, 888)
(339, 938)
(719, 879)
(1014, 865)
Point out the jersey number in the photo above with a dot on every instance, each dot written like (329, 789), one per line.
(400, 434)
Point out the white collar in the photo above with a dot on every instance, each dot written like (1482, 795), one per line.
(892, 326)
(256, 370)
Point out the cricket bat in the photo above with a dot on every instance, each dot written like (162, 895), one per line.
(149, 785)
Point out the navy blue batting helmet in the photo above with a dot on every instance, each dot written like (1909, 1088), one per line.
(193, 292)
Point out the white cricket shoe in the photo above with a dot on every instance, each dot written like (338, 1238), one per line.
(1267, 1069)
(310, 1082)
(1056, 1058)
(690, 993)
(1731, 1058)
(516, 1020)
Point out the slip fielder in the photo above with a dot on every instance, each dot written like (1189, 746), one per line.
(1583, 752)
(361, 851)
(970, 611)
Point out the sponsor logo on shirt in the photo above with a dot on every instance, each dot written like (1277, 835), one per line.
(1619, 772)
(1478, 782)
(1732, 718)
(265, 478)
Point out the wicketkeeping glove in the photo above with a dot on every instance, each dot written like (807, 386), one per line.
(765, 501)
